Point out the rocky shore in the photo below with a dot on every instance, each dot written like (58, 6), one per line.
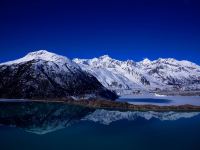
(107, 104)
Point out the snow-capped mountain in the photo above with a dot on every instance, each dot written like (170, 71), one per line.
(45, 56)
(114, 74)
(42, 74)
(128, 77)
(171, 74)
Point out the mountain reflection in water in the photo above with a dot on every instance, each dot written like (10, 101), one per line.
(42, 118)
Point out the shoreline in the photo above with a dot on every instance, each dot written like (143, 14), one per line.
(114, 105)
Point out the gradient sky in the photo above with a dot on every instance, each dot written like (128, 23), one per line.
(123, 29)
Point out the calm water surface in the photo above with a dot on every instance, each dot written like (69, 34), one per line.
(54, 126)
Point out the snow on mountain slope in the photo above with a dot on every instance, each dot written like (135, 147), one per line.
(124, 77)
(42, 74)
(172, 74)
(45, 56)
(128, 77)
(117, 75)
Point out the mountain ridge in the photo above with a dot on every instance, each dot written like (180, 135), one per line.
(123, 77)
(158, 75)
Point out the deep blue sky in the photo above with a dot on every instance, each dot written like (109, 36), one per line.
(124, 29)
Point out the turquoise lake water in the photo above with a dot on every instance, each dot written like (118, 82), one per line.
(54, 126)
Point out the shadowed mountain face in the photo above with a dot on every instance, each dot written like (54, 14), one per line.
(42, 118)
(43, 74)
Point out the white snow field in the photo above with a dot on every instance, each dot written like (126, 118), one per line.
(129, 77)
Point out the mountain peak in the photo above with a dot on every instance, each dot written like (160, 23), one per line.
(105, 57)
(41, 55)
(146, 61)
(39, 52)
(167, 60)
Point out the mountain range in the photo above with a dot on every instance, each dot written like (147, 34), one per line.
(129, 77)
(43, 74)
